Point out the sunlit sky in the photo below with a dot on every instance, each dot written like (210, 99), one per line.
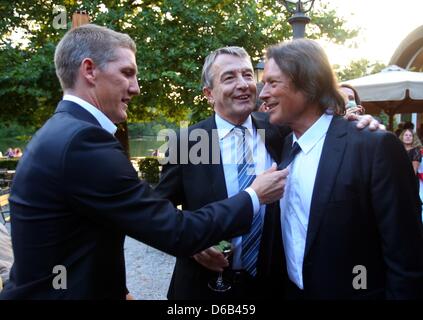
(383, 25)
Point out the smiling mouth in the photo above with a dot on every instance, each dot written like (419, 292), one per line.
(244, 97)
(125, 102)
(270, 106)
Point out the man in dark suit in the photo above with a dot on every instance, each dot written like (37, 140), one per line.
(228, 83)
(350, 213)
(75, 194)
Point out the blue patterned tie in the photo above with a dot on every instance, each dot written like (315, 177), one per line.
(246, 175)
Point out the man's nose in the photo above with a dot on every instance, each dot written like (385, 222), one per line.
(134, 88)
(242, 83)
(264, 93)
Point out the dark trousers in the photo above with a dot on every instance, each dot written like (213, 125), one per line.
(292, 292)
(243, 286)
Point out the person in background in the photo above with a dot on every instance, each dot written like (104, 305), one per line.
(416, 140)
(399, 129)
(412, 147)
(6, 255)
(408, 125)
(414, 151)
(17, 152)
(10, 153)
(352, 99)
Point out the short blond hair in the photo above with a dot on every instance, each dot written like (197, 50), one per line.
(87, 41)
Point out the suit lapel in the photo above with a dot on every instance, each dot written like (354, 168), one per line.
(215, 171)
(329, 164)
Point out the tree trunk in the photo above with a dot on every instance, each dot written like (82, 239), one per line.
(123, 137)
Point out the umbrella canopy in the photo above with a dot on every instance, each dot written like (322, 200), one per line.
(393, 90)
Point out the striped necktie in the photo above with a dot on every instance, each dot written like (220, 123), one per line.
(246, 175)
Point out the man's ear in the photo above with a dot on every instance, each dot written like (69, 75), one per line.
(209, 95)
(88, 70)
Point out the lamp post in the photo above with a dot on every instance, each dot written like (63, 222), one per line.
(79, 18)
(258, 74)
(258, 71)
(299, 19)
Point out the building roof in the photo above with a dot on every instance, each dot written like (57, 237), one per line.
(409, 54)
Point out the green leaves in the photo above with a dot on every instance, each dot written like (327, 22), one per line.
(223, 246)
(357, 68)
(173, 37)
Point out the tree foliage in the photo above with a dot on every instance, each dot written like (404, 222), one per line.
(357, 68)
(173, 37)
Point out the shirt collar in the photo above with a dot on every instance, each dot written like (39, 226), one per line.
(105, 122)
(224, 127)
(313, 134)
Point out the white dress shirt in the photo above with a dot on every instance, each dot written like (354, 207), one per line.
(296, 202)
(262, 160)
(105, 122)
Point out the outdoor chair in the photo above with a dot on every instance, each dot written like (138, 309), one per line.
(5, 178)
(4, 208)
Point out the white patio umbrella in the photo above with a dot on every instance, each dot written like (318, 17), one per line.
(393, 90)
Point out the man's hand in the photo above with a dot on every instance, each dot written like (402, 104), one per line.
(364, 121)
(263, 107)
(359, 110)
(269, 185)
(212, 259)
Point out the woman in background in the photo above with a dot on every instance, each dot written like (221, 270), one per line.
(352, 100)
(412, 146)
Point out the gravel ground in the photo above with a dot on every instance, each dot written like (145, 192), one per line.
(148, 271)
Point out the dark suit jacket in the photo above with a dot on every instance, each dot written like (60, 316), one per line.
(74, 198)
(195, 185)
(365, 211)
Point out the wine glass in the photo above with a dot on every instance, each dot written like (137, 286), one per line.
(218, 283)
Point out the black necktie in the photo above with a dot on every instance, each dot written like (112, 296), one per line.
(294, 151)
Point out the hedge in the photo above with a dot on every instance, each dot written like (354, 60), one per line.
(149, 168)
(9, 164)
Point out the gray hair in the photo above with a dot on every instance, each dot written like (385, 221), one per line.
(306, 64)
(206, 74)
(87, 41)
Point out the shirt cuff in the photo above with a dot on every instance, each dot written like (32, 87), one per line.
(254, 199)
